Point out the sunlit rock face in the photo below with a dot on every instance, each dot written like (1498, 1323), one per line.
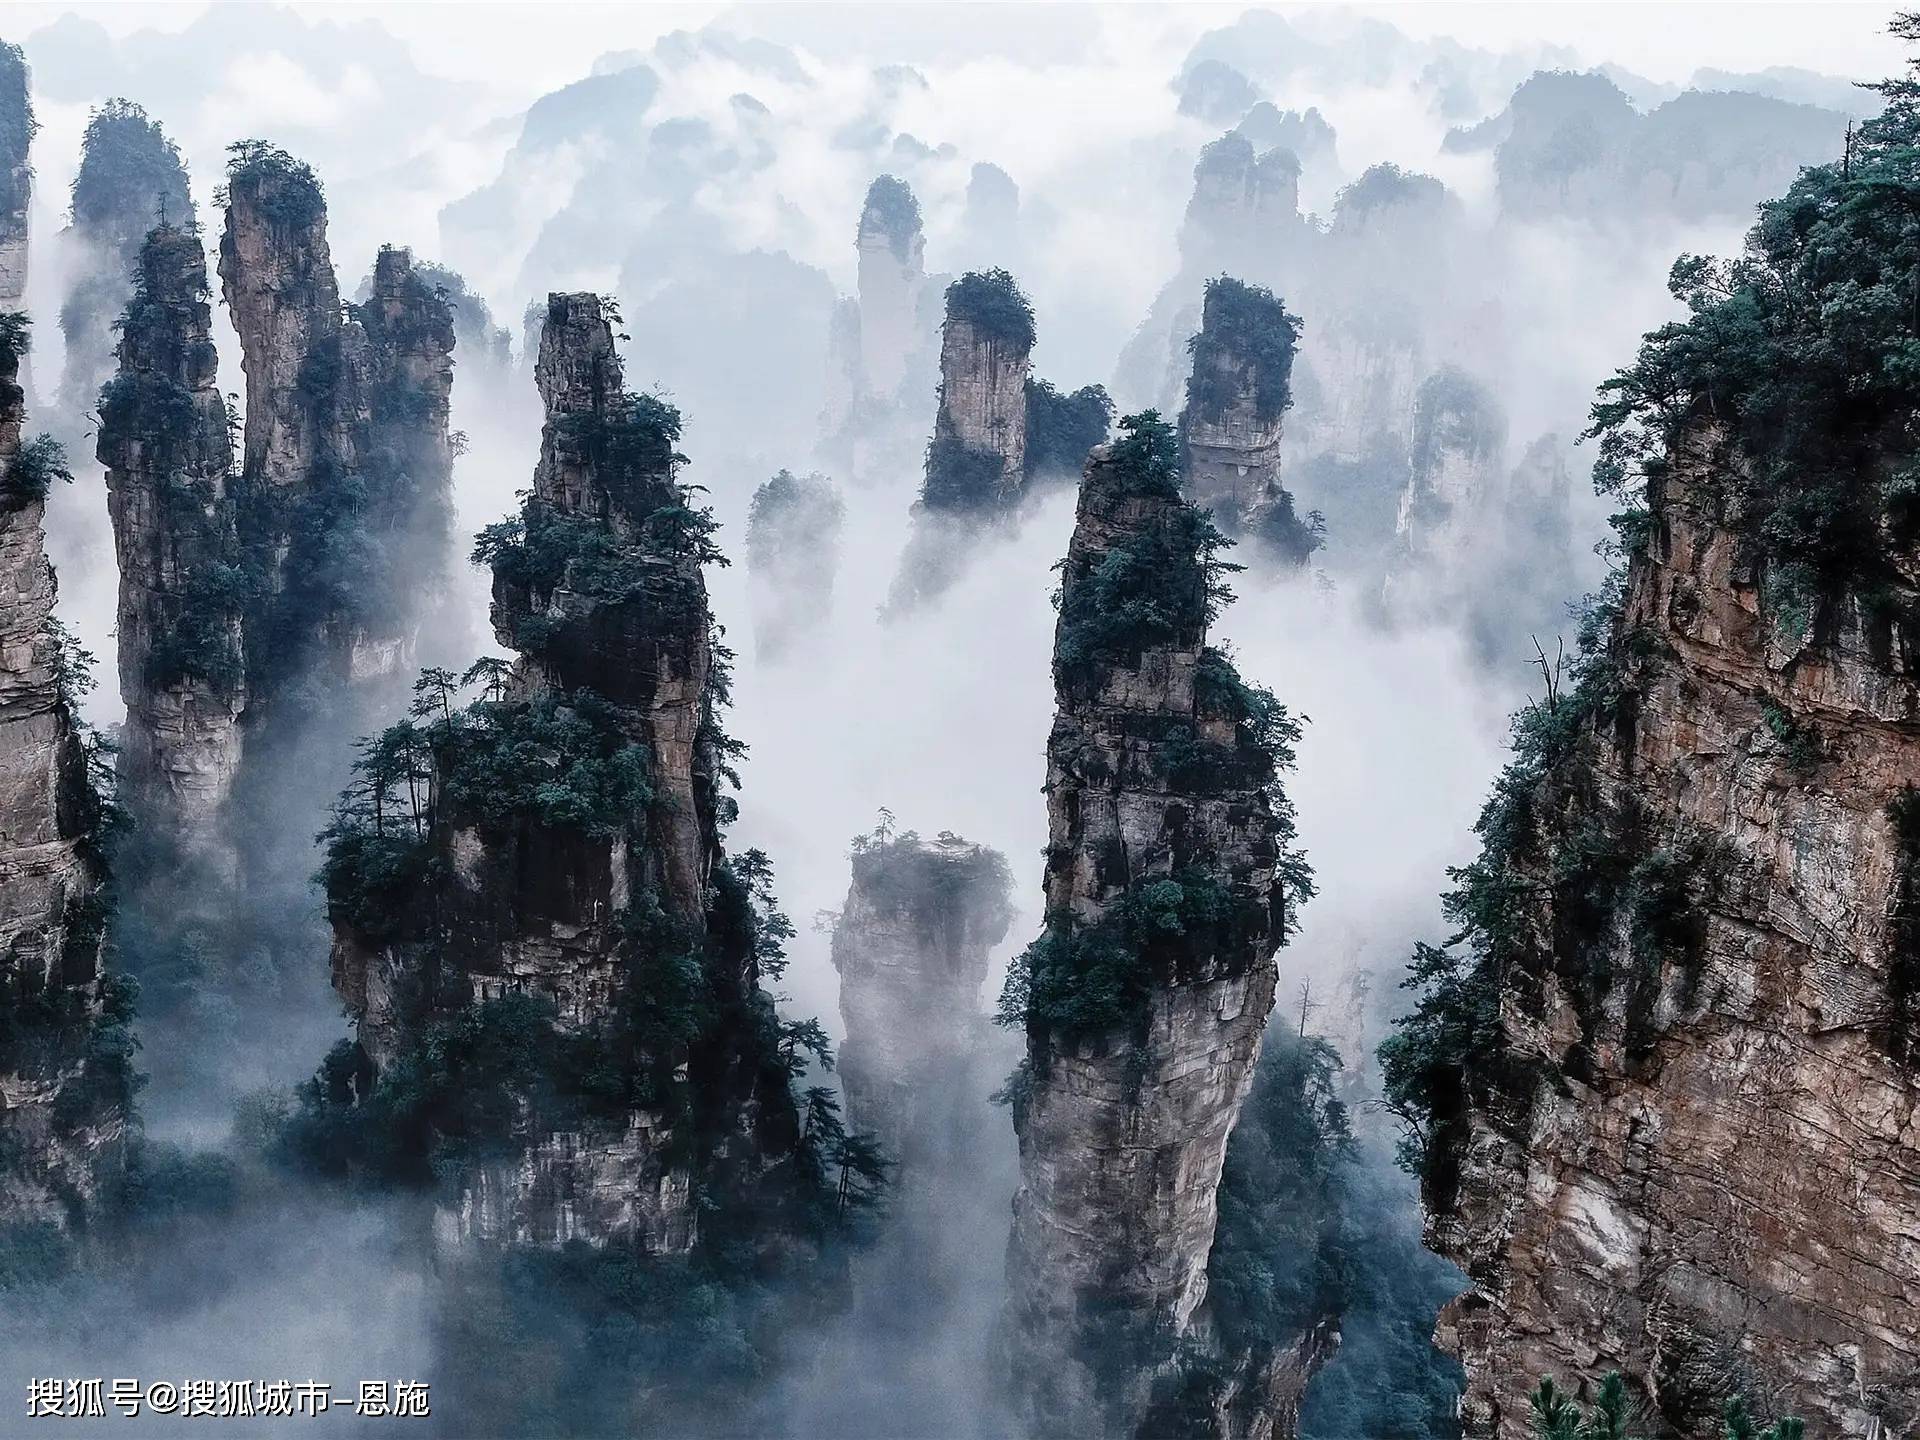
(165, 446)
(892, 251)
(16, 173)
(1123, 1132)
(65, 1054)
(1703, 1168)
(131, 180)
(912, 946)
(335, 399)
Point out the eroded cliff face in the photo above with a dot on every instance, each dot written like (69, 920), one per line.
(598, 587)
(1695, 1156)
(168, 456)
(1160, 804)
(912, 947)
(65, 1054)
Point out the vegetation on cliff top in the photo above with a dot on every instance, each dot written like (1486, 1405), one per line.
(17, 129)
(1244, 351)
(131, 177)
(992, 303)
(1806, 347)
(891, 209)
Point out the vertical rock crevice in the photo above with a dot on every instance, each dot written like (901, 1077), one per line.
(1171, 880)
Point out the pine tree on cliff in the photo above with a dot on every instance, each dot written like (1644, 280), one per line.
(1172, 880)
(1659, 912)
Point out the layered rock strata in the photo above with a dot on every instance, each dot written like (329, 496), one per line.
(183, 590)
(65, 1055)
(1168, 883)
(912, 947)
(1689, 1151)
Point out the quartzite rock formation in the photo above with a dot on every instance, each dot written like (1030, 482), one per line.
(1692, 1154)
(130, 180)
(598, 586)
(346, 430)
(912, 947)
(793, 552)
(168, 456)
(1162, 803)
(65, 1056)
(1237, 401)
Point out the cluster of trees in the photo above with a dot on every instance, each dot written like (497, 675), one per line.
(1556, 1415)
(1243, 351)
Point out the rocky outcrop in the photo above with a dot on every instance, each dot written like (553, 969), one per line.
(1237, 399)
(344, 482)
(183, 582)
(131, 179)
(1687, 1148)
(1457, 463)
(793, 552)
(599, 893)
(1169, 886)
(892, 254)
(912, 947)
(17, 126)
(66, 1075)
(1245, 205)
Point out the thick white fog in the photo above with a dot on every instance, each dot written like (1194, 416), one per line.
(706, 165)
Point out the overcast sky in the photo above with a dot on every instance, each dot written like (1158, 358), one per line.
(524, 49)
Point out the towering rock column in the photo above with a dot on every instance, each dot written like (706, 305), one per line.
(976, 462)
(1244, 204)
(912, 947)
(16, 174)
(65, 1054)
(1169, 883)
(183, 583)
(892, 250)
(600, 889)
(793, 552)
(1237, 399)
(344, 482)
(130, 180)
(1457, 463)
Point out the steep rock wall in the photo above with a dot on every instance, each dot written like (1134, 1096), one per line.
(1702, 1168)
(892, 272)
(16, 173)
(65, 1057)
(1124, 1119)
(164, 443)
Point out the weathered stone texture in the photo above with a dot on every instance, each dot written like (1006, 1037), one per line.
(1123, 1135)
(163, 440)
(1713, 1183)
